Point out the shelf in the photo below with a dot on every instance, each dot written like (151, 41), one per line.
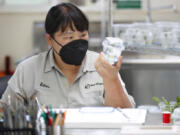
(154, 50)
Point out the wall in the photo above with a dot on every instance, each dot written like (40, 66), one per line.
(16, 35)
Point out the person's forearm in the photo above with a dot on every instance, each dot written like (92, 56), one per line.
(115, 95)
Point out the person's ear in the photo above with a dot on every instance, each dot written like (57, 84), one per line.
(48, 39)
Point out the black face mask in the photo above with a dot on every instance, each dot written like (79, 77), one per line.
(73, 52)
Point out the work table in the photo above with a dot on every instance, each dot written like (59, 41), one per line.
(153, 126)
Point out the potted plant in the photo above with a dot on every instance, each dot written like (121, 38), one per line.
(167, 108)
(166, 105)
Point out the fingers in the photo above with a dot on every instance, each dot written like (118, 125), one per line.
(96, 64)
(102, 59)
(106, 70)
(118, 64)
(104, 62)
(101, 62)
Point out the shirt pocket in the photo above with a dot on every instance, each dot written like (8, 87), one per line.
(92, 91)
(44, 95)
(43, 91)
(92, 96)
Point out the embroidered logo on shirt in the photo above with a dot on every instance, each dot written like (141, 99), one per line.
(44, 85)
(87, 86)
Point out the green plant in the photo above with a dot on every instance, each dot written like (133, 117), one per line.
(167, 104)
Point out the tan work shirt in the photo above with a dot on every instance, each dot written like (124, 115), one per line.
(39, 74)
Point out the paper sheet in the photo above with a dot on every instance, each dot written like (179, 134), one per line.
(103, 117)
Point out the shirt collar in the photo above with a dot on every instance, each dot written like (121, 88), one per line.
(49, 62)
(89, 61)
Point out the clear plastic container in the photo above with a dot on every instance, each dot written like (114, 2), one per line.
(120, 29)
(164, 107)
(150, 108)
(156, 38)
(167, 39)
(112, 48)
(176, 38)
(176, 116)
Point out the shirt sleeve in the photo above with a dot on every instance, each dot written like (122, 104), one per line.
(14, 86)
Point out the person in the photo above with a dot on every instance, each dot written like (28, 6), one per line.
(69, 74)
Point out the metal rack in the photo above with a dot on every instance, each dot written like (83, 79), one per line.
(151, 49)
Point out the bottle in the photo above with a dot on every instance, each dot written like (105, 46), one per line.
(112, 48)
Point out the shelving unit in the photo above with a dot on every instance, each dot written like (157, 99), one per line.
(154, 50)
(148, 49)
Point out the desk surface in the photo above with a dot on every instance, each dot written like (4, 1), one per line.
(152, 120)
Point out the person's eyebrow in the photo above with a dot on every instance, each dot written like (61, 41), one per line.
(66, 33)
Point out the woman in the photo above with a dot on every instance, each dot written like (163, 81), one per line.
(68, 74)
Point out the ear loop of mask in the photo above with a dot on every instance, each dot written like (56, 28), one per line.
(57, 43)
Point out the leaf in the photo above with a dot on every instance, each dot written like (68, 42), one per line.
(156, 99)
(165, 101)
(175, 106)
(178, 99)
(167, 104)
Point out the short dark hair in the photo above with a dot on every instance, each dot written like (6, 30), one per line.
(63, 15)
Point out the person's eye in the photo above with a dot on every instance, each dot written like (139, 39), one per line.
(69, 37)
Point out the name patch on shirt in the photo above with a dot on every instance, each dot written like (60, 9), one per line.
(91, 82)
(44, 85)
(87, 86)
